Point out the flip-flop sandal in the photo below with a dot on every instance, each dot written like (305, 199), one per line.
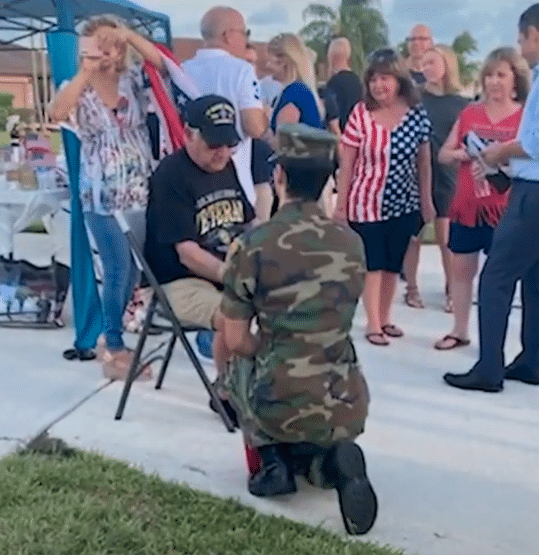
(392, 330)
(370, 337)
(457, 342)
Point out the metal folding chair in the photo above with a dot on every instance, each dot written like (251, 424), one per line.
(133, 225)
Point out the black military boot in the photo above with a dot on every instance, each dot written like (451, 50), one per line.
(344, 467)
(275, 476)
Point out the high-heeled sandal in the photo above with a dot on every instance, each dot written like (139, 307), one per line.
(116, 365)
(412, 297)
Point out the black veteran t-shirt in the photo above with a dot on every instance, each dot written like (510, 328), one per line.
(188, 204)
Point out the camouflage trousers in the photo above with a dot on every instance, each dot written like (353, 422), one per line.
(268, 421)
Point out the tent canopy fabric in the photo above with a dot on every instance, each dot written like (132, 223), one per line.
(20, 19)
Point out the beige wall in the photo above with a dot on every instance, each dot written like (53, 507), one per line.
(21, 87)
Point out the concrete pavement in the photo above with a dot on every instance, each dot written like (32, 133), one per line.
(455, 472)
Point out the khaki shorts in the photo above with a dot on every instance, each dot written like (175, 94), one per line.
(194, 301)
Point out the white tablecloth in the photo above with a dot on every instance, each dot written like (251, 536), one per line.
(20, 207)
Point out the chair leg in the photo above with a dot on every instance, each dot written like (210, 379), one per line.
(207, 384)
(166, 360)
(132, 374)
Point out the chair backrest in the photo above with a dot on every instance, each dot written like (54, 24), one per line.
(133, 221)
(133, 226)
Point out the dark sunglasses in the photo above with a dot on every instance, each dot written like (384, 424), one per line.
(382, 55)
(232, 147)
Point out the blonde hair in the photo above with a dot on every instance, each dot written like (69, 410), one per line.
(291, 49)
(92, 24)
(451, 80)
(518, 64)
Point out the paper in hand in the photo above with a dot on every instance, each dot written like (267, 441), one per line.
(494, 175)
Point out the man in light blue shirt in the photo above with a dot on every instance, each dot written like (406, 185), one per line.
(514, 254)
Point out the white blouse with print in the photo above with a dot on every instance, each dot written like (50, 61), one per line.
(116, 158)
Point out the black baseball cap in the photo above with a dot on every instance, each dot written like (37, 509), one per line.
(215, 117)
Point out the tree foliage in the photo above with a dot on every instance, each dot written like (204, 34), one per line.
(463, 45)
(360, 21)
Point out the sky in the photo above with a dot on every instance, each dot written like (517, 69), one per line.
(492, 23)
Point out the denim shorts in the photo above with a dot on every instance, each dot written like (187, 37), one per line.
(466, 240)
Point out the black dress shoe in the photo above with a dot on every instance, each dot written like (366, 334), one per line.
(471, 380)
(522, 373)
(345, 468)
(79, 354)
(275, 476)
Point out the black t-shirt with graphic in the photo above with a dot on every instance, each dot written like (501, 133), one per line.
(188, 204)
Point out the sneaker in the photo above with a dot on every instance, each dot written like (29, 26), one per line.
(116, 365)
(204, 341)
(345, 467)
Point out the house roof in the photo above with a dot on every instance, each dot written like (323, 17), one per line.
(16, 62)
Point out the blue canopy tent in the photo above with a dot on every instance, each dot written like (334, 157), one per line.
(19, 19)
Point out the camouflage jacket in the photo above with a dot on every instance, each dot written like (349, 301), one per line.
(301, 275)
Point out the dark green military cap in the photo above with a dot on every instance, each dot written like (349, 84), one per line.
(297, 141)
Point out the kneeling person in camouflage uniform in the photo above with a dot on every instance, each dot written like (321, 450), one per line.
(296, 384)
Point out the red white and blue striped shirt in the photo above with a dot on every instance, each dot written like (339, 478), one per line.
(384, 179)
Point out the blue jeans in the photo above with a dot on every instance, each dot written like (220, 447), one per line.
(120, 274)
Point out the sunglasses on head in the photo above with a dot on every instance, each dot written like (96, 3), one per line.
(382, 55)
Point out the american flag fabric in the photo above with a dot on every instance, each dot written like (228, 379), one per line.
(384, 178)
(168, 97)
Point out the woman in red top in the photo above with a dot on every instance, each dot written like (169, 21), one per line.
(384, 181)
(477, 207)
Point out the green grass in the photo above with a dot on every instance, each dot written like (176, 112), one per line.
(90, 505)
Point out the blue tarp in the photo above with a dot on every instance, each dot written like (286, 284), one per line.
(62, 46)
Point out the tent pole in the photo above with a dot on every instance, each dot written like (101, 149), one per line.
(66, 17)
(45, 72)
(37, 94)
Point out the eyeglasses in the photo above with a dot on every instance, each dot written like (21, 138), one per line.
(417, 39)
(245, 32)
(382, 55)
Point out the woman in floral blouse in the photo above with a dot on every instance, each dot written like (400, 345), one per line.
(107, 100)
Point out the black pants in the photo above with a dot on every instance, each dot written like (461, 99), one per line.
(514, 255)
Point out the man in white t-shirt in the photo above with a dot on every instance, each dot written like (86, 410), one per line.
(219, 68)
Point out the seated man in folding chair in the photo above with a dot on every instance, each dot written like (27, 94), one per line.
(196, 208)
(296, 384)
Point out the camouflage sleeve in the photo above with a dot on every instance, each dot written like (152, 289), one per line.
(239, 283)
(359, 255)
